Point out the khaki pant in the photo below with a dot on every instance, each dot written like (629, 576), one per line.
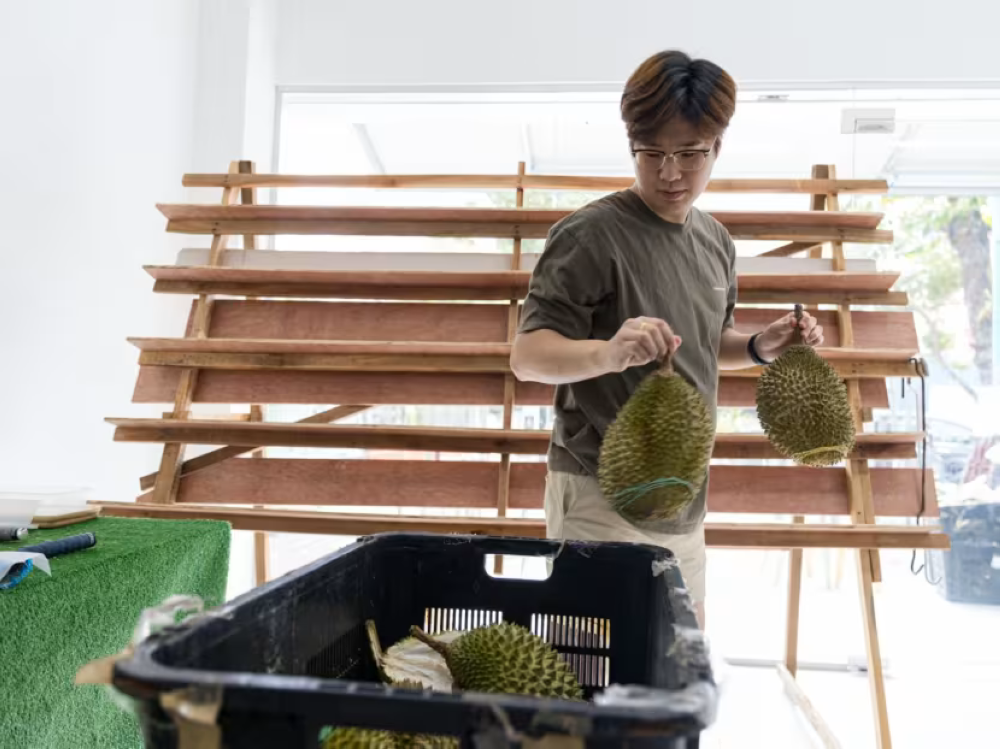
(576, 510)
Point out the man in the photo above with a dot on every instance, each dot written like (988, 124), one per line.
(621, 283)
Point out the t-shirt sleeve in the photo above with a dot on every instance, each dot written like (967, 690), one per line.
(730, 321)
(569, 281)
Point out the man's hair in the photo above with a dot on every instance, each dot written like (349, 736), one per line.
(672, 85)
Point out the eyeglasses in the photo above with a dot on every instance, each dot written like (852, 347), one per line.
(687, 160)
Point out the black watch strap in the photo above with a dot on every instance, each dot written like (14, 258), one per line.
(752, 350)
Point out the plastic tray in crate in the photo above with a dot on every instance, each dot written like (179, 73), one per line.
(292, 657)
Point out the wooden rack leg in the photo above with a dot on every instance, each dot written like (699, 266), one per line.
(503, 488)
(794, 604)
(168, 476)
(873, 650)
(261, 540)
(862, 513)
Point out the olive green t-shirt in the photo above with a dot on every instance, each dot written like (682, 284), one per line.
(612, 260)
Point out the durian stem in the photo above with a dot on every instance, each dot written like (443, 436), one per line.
(666, 365)
(798, 320)
(429, 641)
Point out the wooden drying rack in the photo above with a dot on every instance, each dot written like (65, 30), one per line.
(366, 329)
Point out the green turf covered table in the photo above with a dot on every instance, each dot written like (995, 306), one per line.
(50, 626)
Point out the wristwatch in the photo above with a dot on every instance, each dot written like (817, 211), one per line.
(752, 350)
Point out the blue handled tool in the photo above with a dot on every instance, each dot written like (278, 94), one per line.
(18, 571)
(62, 545)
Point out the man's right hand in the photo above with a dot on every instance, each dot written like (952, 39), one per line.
(639, 341)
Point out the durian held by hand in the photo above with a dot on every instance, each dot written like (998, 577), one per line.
(655, 455)
(803, 407)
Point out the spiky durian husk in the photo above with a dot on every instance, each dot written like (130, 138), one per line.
(655, 455)
(803, 407)
(357, 738)
(361, 738)
(507, 658)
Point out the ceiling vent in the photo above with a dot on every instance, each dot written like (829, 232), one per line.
(868, 121)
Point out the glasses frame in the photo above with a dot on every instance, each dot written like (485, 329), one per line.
(672, 156)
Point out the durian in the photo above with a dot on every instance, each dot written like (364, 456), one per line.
(655, 455)
(364, 738)
(371, 738)
(507, 658)
(802, 406)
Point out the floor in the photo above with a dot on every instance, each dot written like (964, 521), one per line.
(923, 713)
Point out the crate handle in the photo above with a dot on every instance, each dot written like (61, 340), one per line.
(509, 561)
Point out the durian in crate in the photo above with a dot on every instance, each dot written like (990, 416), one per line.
(803, 407)
(372, 738)
(506, 658)
(655, 455)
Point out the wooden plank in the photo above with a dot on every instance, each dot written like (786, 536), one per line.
(157, 385)
(528, 181)
(337, 282)
(355, 524)
(363, 321)
(490, 216)
(883, 445)
(874, 298)
(480, 323)
(173, 453)
(803, 703)
(367, 437)
(723, 535)
(775, 232)
(296, 346)
(415, 361)
(820, 288)
(450, 261)
(406, 356)
(214, 457)
(154, 385)
(817, 281)
(779, 490)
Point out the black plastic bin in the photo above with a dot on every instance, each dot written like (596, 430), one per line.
(291, 657)
(971, 574)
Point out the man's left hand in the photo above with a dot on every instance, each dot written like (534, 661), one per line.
(781, 334)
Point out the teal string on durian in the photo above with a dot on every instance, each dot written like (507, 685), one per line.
(627, 496)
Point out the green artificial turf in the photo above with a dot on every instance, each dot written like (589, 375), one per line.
(50, 626)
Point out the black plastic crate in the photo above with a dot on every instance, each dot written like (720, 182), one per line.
(292, 656)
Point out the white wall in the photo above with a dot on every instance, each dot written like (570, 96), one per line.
(333, 42)
(96, 128)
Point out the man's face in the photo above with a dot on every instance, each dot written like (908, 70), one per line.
(671, 188)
